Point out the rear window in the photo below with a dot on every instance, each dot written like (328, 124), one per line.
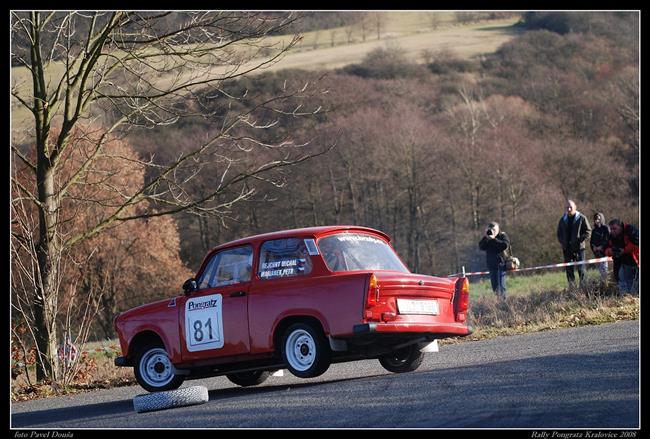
(284, 258)
(359, 251)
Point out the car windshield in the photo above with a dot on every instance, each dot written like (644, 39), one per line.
(359, 251)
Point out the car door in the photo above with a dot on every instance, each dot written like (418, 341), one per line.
(214, 318)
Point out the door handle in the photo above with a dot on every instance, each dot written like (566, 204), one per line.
(238, 294)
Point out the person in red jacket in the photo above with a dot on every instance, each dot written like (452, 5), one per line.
(623, 246)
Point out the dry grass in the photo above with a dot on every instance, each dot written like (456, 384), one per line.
(553, 309)
(97, 371)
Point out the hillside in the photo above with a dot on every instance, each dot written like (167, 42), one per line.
(409, 31)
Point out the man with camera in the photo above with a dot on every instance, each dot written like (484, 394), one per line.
(573, 231)
(495, 244)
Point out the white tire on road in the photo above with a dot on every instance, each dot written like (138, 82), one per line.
(172, 398)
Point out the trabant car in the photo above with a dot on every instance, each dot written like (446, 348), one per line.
(297, 299)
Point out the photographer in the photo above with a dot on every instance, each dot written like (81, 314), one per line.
(495, 245)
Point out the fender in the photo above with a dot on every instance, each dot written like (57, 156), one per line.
(172, 349)
(299, 312)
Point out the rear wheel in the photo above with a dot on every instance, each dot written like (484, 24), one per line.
(305, 350)
(406, 359)
(250, 378)
(154, 370)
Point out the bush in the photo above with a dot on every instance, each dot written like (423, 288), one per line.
(389, 63)
(446, 62)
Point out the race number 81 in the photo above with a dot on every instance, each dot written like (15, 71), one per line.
(204, 323)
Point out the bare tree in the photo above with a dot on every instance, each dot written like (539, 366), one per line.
(466, 17)
(468, 122)
(379, 22)
(117, 70)
(434, 19)
(333, 33)
(317, 35)
(348, 33)
(364, 26)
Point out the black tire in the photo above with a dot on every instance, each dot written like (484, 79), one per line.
(250, 378)
(403, 360)
(305, 350)
(153, 369)
(174, 398)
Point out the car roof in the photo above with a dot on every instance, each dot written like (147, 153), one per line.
(306, 231)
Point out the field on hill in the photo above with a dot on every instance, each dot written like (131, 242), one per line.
(317, 50)
(465, 41)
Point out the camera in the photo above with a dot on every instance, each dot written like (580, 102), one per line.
(490, 232)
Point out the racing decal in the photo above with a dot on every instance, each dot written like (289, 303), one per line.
(287, 267)
(204, 323)
(172, 303)
(358, 238)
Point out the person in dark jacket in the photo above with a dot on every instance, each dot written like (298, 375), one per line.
(624, 246)
(598, 242)
(573, 231)
(495, 244)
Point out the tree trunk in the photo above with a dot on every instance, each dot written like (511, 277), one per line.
(336, 198)
(294, 215)
(454, 235)
(353, 198)
(48, 254)
(314, 197)
(502, 207)
(204, 232)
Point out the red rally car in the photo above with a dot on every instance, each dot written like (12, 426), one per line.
(297, 299)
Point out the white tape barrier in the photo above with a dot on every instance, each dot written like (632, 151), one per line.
(564, 264)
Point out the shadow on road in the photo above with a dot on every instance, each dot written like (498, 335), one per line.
(72, 413)
(220, 394)
(106, 409)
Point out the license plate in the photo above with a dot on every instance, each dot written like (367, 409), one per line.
(409, 306)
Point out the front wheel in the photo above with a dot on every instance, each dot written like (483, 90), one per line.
(154, 370)
(250, 378)
(406, 359)
(305, 350)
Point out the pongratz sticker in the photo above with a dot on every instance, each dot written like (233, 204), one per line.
(204, 323)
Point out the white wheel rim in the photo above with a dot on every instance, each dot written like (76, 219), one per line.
(300, 350)
(155, 368)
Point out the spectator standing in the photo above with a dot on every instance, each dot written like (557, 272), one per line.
(624, 247)
(496, 244)
(599, 241)
(573, 231)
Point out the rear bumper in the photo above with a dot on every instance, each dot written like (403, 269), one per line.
(441, 330)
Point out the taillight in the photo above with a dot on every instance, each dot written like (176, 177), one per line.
(373, 292)
(461, 304)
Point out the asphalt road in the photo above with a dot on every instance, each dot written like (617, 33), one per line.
(585, 377)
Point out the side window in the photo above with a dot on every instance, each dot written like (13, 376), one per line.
(284, 258)
(228, 267)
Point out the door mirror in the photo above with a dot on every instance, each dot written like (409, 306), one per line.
(189, 286)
